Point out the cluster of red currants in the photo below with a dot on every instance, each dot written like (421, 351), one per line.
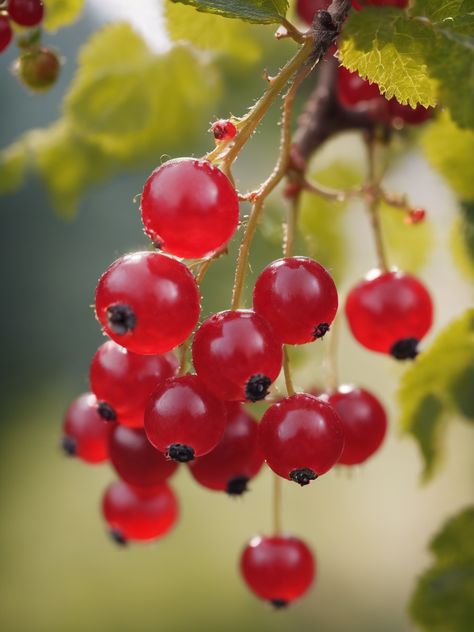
(146, 414)
(37, 67)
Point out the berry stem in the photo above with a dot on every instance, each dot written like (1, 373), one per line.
(374, 197)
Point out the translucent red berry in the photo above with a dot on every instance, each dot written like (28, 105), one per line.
(353, 90)
(138, 514)
(406, 115)
(236, 459)
(278, 569)
(223, 130)
(26, 12)
(124, 380)
(147, 302)
(390, 312)
(297, 297)
(85, 433)
(183, 419)
(364, 422)
(39, 69)
(301, 437)
(189, 207)
(236, 355)
(415, 216)
(6, 33)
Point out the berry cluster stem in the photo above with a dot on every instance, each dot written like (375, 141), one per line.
(373, 186)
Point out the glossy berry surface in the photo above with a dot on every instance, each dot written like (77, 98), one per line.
(389, 312)
(297, 297)
(183, 420)
(189, 208)
(223, 130)
(26, 12)
(236, 356)
(135, 460)
(406, 115)
(301, 437)
(85, 433)
(147, 302)
(135, 514)
(6, 33)
(364, 422)
(278, 568)
(353, 90)
(39, 69)
(236, 459)
(124, 380)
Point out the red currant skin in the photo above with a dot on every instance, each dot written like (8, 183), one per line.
(236, 355)
(26, 12)
(135, 460)
(306, 9)
(6, 33)
(189, 208)
(353, 90)
(147, 302)
(364, 422)
(85, 433)
(278, 568)
(236, 459)
(183, 420)
(404, 114)
(390, 312)
(223, 130)
(137, 514)
(301, 437)
(297, 297)
(123, 381)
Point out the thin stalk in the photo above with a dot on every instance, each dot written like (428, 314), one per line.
(373, 185)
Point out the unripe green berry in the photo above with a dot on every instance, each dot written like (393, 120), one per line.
(38, 69)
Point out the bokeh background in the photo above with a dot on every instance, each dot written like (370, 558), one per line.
(58, 571)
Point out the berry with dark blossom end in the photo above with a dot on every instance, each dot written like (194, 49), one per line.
(26, 12)
(6, 33)
(301, 437)
(38, 69)
(124, 380)
(278, 569)
(236, 356)
(387, 309)
(297, 297)
(85, 434)
(190, 207)
(135, 514)
(160, 293)
(106, 412)
(236, 459)
(183, 420)
(363, 419)
(223, 130)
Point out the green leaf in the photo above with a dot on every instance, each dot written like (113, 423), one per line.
(13, 166)
(212, 32)
(433, 389)
(258, 11)
(444, 597)
(59, 13)
(462, 240)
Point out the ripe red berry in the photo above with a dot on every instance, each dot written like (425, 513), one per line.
(223, 130)
(236, 356)
(301, 437)
(6, 33)
(26, 12)
(415, 216)
(297, 297)
(135, 460)
(306, 9)
(85, 433)
(364, 422)
(406, 115)
(390, 312)
(183, 419)
(353, 90)
(278, 568)
(138, 514)
(38, 69)
(123, 381)
(236, 459)
(189, 207)
(147, 302)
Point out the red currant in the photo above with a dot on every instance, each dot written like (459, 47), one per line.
(236, 355)
(278, 568)
(135, 460)
(415, 216)
(138, 514)
(406, 115)
(85, 434)
(223, 130)
(26, 12)
(364, 422)
(189, 208)
(6, 33)
(123, 381)
(183, 419)
(236, 459)
(38, 69)
(354, 90)
(301, 437)
(147, 302)
(390, 312)
(297, 297)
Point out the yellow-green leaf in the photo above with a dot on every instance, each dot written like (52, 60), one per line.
(258, 11)
(13, 165)
(59, 13)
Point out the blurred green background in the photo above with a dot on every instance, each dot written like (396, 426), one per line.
(59, 572)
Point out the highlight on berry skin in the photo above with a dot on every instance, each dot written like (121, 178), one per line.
(85, 433)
